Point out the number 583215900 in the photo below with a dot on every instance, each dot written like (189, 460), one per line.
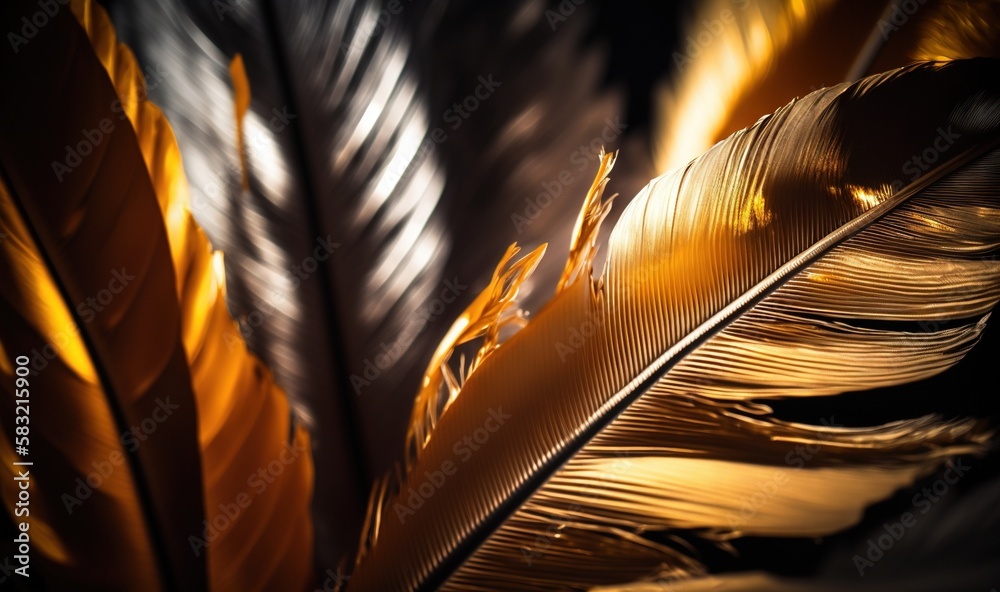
(23, 408)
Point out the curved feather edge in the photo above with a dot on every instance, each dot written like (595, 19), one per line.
(755, 271)
(244, 424)
(747, 57)
(583, 243)
(491, 311)
(719, 67)
(102, 376)
(494, 309)
(947, 548)
(48, 321)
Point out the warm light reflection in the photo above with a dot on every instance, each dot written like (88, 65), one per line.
(57, 325)
(716, 65)
(219, 271)
(868, 198)
(754, 213)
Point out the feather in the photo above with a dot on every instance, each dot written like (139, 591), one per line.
(731, 47)
(583, 243)
(167, 514)
(515, 163)
(792, 260)
(742, 58)
(361, 162)
(490, 312)
(955, 30)
(949, 547)
(286, 314)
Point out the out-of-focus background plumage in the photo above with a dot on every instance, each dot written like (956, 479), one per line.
(356, 151)
(418, 222)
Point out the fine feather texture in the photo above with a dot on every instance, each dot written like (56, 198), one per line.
(243, 419)
(758, 242)
(937, 554)
(489, 313)
(271, 230)
(360, 162)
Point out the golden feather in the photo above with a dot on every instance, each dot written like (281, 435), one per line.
(238, 422)
(795, 259)
(818, 252)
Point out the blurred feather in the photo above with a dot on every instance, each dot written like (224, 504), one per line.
(741, 58)
(360, 162)
(957, 29)
(269, 231)
(626, 405)
(518, 162)
(731, 46)
(125, 208)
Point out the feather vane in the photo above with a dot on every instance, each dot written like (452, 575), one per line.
(727, 280)
(128, 205)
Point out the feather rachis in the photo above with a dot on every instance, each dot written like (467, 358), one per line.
(243, 417)
(676, 261)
